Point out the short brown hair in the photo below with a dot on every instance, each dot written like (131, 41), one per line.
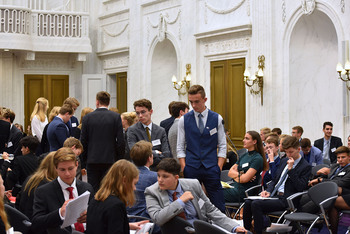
(72, 141)
(9, 114)
(71, 101)
(290, 142)
(305, 142)
(299, 129)
(195, 89)
(103, 98)
(66, 109)
(342, 149)
(140, 152)
(266, 130)
(272, 140)
(64, 154)
(277, 130)
(170, 105)
(143, 103)
(169, 165)
(177, 107)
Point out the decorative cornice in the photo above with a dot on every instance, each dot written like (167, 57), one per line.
(243, 28)
(220, 47)
(220, 11)
(113, 51)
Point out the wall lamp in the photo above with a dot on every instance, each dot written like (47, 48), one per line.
(185, 82)
(344, 73)
(258, 78)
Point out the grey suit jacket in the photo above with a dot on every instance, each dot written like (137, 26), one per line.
(161, 210)
(137, 133)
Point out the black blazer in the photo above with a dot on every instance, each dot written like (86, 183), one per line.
(102, 137)
(4, 134)
(167, 123)
(107, 217)
(48, 199)
(297, 180)
(342, 178)
(334, 144)
(15, 136)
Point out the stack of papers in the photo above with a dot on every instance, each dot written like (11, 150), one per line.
(225, 185)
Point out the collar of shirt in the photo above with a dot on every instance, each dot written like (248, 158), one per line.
(178, 191)
(274, 158)
(204, 113)
(64, 186)
(59, 118)
(149, 126)
(146, 167)
(325, 141)
(296, 161)
(101, 107)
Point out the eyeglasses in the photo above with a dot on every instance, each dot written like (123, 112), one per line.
(141, 112)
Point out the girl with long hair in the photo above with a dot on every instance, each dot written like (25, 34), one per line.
(4, 224)
(44, 174)
(107, 212)
(38, 117)
(246, 171)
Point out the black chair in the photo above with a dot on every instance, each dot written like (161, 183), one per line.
(318, 167)
(177, 225)
(241, 152)
(224, 176)
(19, 221)
(203, 227)
(323, 195)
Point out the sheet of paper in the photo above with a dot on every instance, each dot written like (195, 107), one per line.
(261, 198)
(145, 228)
(74, 208)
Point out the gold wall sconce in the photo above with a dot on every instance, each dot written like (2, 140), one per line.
(258, 78)
(185, 82)
(344, 73)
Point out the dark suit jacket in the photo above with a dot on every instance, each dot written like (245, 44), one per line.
(102, 137)
(137, 133)
(72, 124)
(297, 180)
(57, 133)
(48, 199)
(341, 178)
(23, 166)
(107, 217)
(14, 138)
(167, 123)
(334, 144)
(4, 134)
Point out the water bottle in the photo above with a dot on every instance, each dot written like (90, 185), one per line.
(11, 156)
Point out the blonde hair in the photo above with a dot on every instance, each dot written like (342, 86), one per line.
(40, 109)
(84, 112)
(54, 112)
(46, 171)
(130, 117)
(3, 215)
(118, 182)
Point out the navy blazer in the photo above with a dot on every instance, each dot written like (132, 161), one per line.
(137, 133)
(146, 179)
(48, 199)
(297, 180)
(4, 134)
(57, 133)
(72, 124)
(271, 173)
(167, 123)
(13, 146)
(334, 144)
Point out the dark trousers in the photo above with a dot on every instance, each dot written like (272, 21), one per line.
(257, 209)
(210, 177)
(95, 174)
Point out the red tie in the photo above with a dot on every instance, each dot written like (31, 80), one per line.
(78, 226)
(182, 214)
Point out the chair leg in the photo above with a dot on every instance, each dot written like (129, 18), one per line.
(238, 210)
(281, 217)
(311, 226)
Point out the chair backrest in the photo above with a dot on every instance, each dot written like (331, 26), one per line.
(241, 152)
(19, 221)
(176, 225)
(322, 191)
(318, 167)
(224, 176)
(203, 227)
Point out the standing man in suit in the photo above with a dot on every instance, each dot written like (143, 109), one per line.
(50, 200)
(141, 155)
(4, 131)
(171, 197)
(102, 139)
(13, 146)
(311, 154)
(201, 145)
(58, 131)
(73, 122)
(328, 144)
(167, 123)
(292, 177)
(146, 130)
